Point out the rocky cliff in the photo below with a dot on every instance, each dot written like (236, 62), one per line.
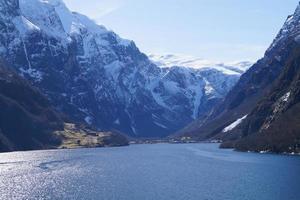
(94, 76)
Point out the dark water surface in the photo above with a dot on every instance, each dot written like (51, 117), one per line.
(156, 172)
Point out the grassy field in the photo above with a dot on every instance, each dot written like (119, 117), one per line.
(78, 137)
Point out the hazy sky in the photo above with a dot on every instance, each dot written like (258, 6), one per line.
(222, 30)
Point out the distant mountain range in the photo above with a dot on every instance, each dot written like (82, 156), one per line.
(261, 112)
(170, 60)
(93, 76)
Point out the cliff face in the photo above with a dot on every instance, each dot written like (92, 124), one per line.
(98, 78)
(27, 121)
(252, 87)
(273, 125)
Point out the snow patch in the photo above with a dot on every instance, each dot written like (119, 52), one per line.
(124, 42)
(234, 124)
(24, 26)
(197, 100)
(161, 125)
(209, 90)
(286, 97)
(158, 99)
(171, 87)
(113, 69)
(264, 152)
(88, 120)
(33, 73)
(133, 130)
(117, 121)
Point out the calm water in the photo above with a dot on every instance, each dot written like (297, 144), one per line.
(156, 172)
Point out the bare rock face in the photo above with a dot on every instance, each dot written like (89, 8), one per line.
(273, 125)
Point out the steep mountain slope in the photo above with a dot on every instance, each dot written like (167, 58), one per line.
(93, 75)
(274, 125)
(251, 88)
(27, 121)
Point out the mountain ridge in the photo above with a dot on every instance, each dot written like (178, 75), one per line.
(171, 60)
(96, 77)
(244, 109)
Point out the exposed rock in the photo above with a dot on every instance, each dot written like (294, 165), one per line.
(94, 76)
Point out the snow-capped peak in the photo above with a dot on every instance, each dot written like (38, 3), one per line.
(170, 60)
(53, 2)
(290, 28)
(54, 18)
(297, 12)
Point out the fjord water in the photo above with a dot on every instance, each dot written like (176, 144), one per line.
(154, 172)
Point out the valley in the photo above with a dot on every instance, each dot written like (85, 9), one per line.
(202, 102)
(83, 85)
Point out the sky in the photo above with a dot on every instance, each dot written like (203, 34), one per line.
(219, 30)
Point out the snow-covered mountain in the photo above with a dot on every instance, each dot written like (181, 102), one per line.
(93, 75)
(170, 60)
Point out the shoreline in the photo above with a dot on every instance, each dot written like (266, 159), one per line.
(132, 143)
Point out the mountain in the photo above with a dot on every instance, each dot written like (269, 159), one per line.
(273, 125)
(94, 76)
(27, 120)
(259, 101)
(170, 60)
